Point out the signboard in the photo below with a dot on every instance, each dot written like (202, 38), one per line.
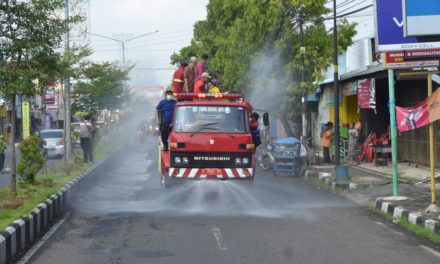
(409, 59)
(49, 96)
(26, 120)
(421, 18)
(366, 94)
(389, 29)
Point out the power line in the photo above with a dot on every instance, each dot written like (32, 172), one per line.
(349, 13)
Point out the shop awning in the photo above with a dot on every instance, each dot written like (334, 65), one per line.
(362, 72)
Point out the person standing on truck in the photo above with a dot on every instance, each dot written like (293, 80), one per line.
(178, 81)
(256, 138)
(164, 116)
(214, 87)
(201, 85)
(189, 76)
(201, 66)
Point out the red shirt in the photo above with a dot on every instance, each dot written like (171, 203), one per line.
(200, 68)
(198, 85)
(178, 80)
(254, 125)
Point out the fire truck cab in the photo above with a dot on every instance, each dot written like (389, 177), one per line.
(210, 139)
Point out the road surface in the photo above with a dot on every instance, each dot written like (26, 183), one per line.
(126, 218)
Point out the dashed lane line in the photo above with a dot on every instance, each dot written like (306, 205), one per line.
(219, 238)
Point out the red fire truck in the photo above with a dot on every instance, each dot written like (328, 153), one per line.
(210, 139)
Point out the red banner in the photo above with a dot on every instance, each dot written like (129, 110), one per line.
(420, 115)
(366, 94)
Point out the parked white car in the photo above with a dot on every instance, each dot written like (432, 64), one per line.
(53, 142)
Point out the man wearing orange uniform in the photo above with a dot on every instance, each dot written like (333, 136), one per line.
(200, 86)
(178, 80)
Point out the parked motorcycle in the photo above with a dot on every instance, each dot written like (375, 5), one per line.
(266, 158)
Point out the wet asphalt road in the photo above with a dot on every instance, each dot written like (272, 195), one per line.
(127, 218)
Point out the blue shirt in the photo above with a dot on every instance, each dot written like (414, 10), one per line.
(167, 108)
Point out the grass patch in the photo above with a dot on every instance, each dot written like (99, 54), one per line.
(322, 185)
(415, 229)
(47, 182)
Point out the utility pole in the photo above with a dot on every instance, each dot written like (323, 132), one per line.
(336, 85)
(67, 116)
(303, 51)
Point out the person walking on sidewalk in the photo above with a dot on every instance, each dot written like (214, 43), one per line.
(86, 131)
(326, 137)
(353, 135)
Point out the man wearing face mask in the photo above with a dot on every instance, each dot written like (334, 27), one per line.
(164, 116)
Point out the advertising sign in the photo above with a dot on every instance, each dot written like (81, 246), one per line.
(421, 18)
(389, 29)
(423, 113)
(410, 59)
(26, 120)
(366, 94)
(49, 96)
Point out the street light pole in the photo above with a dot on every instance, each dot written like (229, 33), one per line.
(122, 40)
(67, 134)
(303, 98)
(336, 85)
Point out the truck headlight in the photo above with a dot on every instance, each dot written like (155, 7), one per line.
(177, 160)
(185, 160)
(237, 161)
(245, 161)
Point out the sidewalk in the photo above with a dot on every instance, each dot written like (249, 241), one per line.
(373, 182)
(5, 175)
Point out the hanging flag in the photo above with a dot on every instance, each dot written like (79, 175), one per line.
(423, 113)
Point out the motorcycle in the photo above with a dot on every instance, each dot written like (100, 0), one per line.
(266, 158)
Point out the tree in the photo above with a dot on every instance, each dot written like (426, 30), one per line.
(254, 48)
(30, 33)
(101, 86)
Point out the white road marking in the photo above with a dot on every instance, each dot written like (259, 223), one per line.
(43, 240)
(389, 229)
(218, 237)
(430, 250)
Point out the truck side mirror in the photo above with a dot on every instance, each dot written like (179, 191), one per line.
(266, 119)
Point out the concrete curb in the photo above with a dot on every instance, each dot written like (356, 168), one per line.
(386, 207)
(413, 218)
(326, 178)
(23, 232)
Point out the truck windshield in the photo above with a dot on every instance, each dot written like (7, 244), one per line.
(218, 119)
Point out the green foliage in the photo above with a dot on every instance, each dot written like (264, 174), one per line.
(102, 86)
(31, 159)
(254, 48)
(31, 32)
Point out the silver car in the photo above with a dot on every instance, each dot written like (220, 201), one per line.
(53, 142)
